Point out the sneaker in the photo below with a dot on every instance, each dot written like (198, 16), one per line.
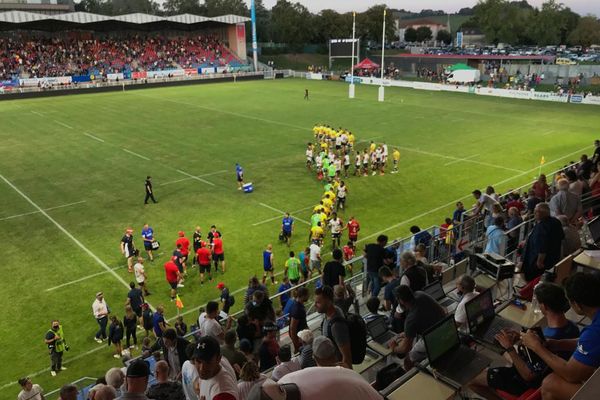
(98, 340)
(63, 368)
(53, 373)
(116, 356)
(180, 285)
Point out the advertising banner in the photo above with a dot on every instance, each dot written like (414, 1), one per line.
(191, 71)
(114, 77)
(139, 75)
(81, 78)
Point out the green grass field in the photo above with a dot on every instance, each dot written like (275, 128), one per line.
(75, 151)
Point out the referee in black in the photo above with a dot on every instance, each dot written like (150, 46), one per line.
(149, 192)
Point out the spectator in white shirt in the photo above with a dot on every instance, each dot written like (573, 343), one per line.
(218, 383)
(29, 390)
(100, 310)
(210, 326)
(285, 364)
(465, 287)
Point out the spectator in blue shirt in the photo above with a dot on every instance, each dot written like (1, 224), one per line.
(457, 215)
(554, 305)
(583, 292)
(496, 238)
(285, 285)
(419, 237)
(287, 226)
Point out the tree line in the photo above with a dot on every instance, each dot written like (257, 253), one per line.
(502, 21)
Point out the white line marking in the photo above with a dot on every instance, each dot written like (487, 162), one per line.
(46, 209)
(136, 154)
(195, 177)
(462, 159)
(63, 124)
(188, 178)
(66, 232)
(547, 133)
(93, 137)
(464, 197)
(82, 279)
(37, 113)
(283, 212)
(279, 216)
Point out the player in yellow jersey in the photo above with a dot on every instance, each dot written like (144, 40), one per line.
(316, 232)
(372, 147)
(396, 158)
(351, 140)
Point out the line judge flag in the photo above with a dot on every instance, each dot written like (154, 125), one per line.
(178, 302)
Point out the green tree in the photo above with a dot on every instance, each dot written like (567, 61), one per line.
(173, 7)
(552, 23)
(291, 23)
(95, 6)
(119, 7)
(410, 35)
(424, 34)
(369, 24)
(216, 8)
(502, 21)
(587, 32)
(444, 36)
(263, 22)
(332, 25)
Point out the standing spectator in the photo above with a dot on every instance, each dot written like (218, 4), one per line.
(584, 169)
(236, 358)
(148, 238)
(249, 376)
(514, 220)
(135, 299)
(159, 325)
(268, 264)
(136, 380)
(343, 297)
(210, 326)
(189, 375)
(315, 257)
(391, 282)
(285, 364)
(298, 317)
(227, 300)
(457, 215)
(532, 201)
(334, 324)
(115, 335)
(173, 277)
(165, 389)
(174, 351)
(419, 237)
(218, 252)
(217, 382)
(484, 206)
(130, 322)
(292, 269)
(29, 390)
(147, 319)
(57, 344)
(465, 288)
(180, 326)
(543, 246)
(414, 275)
(284, 291)
(496, 238)
(565, 203)
(67, 392)
(334, 271)
(253, 286)
(514, 200)
(115, 377)
(572, 240)
(100, 311)
(128, 248)
(149, 191)
(269, 348)
(374, 253)
(140, 275)
(541, 190)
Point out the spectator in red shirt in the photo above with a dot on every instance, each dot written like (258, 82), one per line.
(515, 201)
(218, 254)
(444, 228)
(353, 229)
(203, 255)
(173, 277)
(541, 189)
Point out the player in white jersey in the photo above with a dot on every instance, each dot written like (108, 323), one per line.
(357, 163)
(309, 156)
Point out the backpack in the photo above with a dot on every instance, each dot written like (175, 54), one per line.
(357, 329)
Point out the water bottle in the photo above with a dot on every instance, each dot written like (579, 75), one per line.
(534, 301)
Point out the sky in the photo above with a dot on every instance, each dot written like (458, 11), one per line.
(580, 6)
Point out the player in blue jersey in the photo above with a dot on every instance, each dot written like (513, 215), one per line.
(287, 227)
(268, 265)
(239, 173)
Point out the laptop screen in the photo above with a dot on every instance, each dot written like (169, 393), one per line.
(435, 290)
(594, 227)
(377, 327)
(441, 339)
(479, 310)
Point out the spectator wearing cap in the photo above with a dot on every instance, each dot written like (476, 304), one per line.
(306, 352)
(190, 381)
(269, 347)
(29, 390)
(136, 379)
(164, 389)
(68, 392)
(100, 311)
(324, 352)
(227, 300)
(174, 351)
(233, 355)
(285, 363)
(218, 383)
(249, 376)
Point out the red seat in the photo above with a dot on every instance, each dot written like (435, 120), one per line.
(530, 394)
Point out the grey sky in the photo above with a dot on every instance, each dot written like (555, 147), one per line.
(580, 6)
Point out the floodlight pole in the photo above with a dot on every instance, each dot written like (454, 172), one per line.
(254, 41)
(351, 88)
(381, 88)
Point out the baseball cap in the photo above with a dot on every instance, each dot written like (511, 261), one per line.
(207, 348)
(181, 233)
(220, 285)
(323, 348)
(138, 369)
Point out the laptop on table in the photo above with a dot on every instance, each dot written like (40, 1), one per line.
(379, 331)
(483, 322)
(436, 290)
(448, 357)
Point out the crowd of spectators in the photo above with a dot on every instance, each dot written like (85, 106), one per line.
(25, 55)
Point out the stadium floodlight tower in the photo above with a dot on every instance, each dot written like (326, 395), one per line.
(381, 88)
(254, 40)
(351, 88)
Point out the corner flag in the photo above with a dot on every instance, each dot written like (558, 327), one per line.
(542, 161)
(178, 302)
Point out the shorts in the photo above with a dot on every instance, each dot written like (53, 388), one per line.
(508, 380)
(315, 264)
(268, 268)
(129, 254)
(218, 257)
(336, 235)
(204, 268)
(180, 268)
(286, 234)
(173, 285)
(240, 179)
(346, 167)
(148, 245)
(353, 238)
(341, 200)
(294, 281)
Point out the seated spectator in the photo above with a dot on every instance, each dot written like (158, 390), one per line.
(334, 271)
(532, 201)
(246, 349)
(576, 186)
(514, 200)
(105, 392)
(218, 381)
(540, 188)
(422, 312)
(68, 392)
(465, 288)
(565, 203)
(305, 358)
(269, 348)
(583, 292)
(249, 376)
(334, 325)
(164, 389)
(391, 283)
(115, 377)
(572, 240)
(343, 297)
(246, 330)
(554, 304)
(236, 358)
(496, 238)
(29, 390)
(414, 276)
(373, 308)
(180, 326)
(285, 363)
(136, 379)
(324, 352)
